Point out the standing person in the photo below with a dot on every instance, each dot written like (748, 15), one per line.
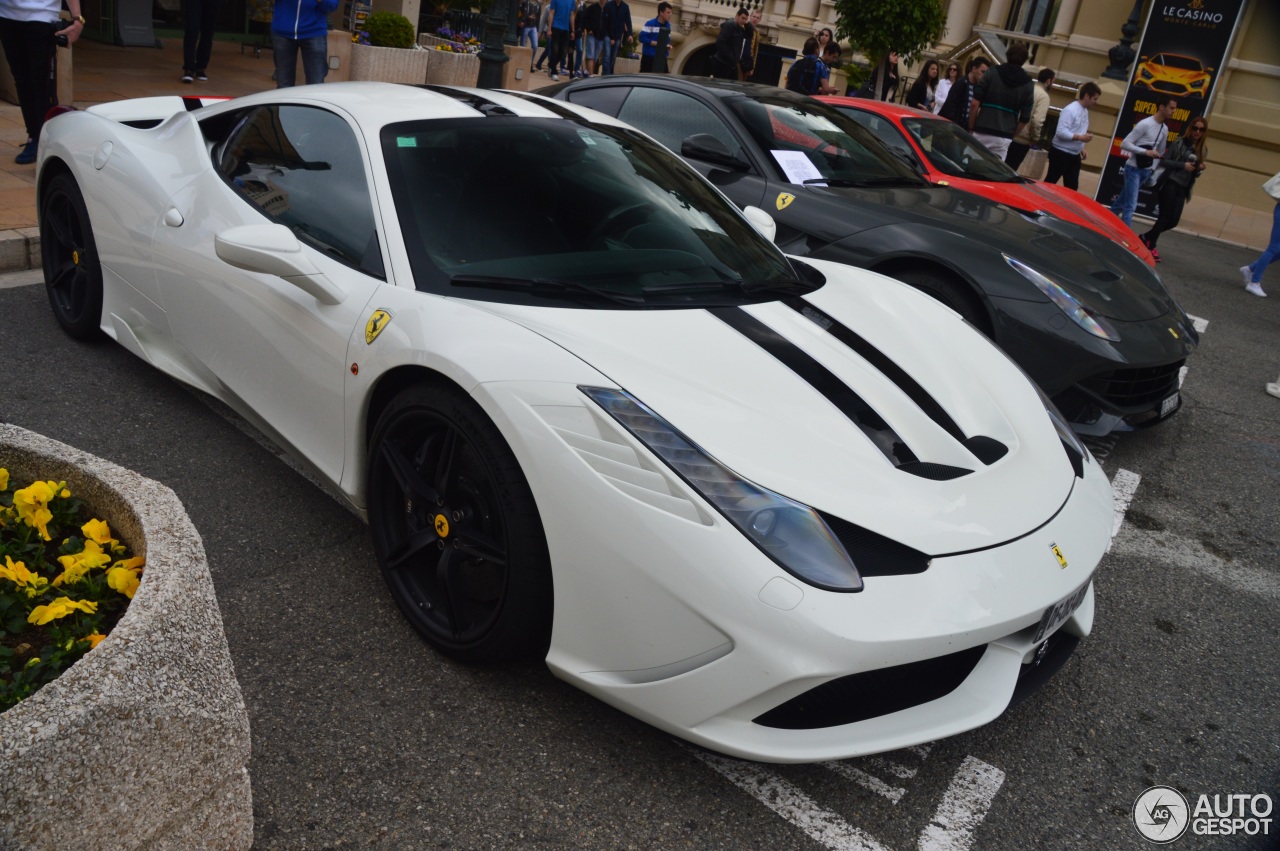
(733, 48)
(824, 37)
(301, 25)
(883, 84)
(529, 13)
(1183, 162)
(617, 30)
(544, 27)
(576, 39)
(1252, 273)
(1066, 152)
(924, 90)
(756, 36)
(560, 24)
(956, 109)
(944, 86)
(1030, 134)
(649, 36)
(1002, 101)
(830, 59)
(805, 74)
(198, 19)
(27, 28)
(593, 26)
(1144, 145)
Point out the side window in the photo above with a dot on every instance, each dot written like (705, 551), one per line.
(881, 127)
(606, 99)
(671, 117)
(301, 167)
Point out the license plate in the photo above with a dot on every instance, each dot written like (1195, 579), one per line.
(1168, 406)
(1057, 614)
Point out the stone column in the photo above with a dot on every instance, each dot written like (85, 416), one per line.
(960, 19)
(998, 13)
(1065, 23)
(804, 12)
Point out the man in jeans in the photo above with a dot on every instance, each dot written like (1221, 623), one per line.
(617, 29)
(560, 26)
(1144, 145)
(301, 25)
(530, 11)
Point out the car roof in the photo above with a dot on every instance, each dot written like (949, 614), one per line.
(374, 104)
(719, 88)
(880, 107)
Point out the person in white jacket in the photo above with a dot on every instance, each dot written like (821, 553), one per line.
(1067, 150)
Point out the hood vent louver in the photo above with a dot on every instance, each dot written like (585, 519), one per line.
(988, 450)
(874, 554)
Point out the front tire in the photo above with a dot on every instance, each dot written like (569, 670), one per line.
(456, 529)
(69, 257)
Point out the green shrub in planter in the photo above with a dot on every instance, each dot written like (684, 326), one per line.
(387, 29)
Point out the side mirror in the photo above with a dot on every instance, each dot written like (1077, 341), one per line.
(761, 221)
(274, 250)
(704, 146)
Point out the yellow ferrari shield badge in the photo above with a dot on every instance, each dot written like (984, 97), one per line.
(442, 526)
(784, 200)
(379, 320)
(1057, 551)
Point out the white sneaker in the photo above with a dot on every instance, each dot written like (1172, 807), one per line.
(1247, 274)
(1274, 389)
(555, 77)
(1255, 288)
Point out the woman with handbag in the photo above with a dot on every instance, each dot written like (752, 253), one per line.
(1252, 273)
(1182, 163)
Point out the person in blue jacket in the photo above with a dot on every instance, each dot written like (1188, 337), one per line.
(301, 25)
(649, 36)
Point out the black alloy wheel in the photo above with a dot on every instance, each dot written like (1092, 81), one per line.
(456, 529)
(69, 257)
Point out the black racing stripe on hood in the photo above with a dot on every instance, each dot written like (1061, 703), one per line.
(882, 362)
(821, 379)
(479, 103)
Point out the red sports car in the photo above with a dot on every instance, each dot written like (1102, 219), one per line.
(947, 155)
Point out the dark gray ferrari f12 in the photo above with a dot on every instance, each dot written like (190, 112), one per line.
(1089, 321)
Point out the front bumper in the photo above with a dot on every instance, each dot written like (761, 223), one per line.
(666, 612)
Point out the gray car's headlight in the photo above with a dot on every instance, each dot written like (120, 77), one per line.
(791, 534)
(1066, 302)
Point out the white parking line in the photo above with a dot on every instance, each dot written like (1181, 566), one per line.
(788, 801)
(1167, 548)
(963, 807)
(1198, 323)
(1123, 486)
(866, 781)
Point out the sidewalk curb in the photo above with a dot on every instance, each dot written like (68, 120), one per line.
(19, 250)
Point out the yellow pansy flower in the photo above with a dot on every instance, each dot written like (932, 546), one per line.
(93, 638)
(60, 608)
(17, 573)
(97, 531)
(74, 567)
(32, 504)
(123, 579)
(4, 479)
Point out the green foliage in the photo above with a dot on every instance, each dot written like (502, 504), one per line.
(387, 29)
(877, 26)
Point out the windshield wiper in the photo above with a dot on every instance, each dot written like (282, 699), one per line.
(874, 181)
(544, 284)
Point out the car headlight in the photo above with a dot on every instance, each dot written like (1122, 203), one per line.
(1198, 84)
(1096, 325)
(791, 534)
(1145, 74)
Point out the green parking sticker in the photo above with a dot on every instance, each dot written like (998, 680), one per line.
(406, 141)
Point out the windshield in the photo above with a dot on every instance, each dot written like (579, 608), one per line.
(811, 142)
(1182, 63)
(550, 211)
(952, 151)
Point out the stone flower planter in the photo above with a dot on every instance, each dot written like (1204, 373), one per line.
(626, 66)
(453, 69)
(389, 64)
(144, 742)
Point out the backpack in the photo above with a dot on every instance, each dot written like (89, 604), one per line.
(803, 76)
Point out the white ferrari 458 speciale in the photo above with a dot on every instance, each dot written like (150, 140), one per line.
(785, 509)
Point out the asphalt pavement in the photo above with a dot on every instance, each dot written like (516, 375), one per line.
(364, 737)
